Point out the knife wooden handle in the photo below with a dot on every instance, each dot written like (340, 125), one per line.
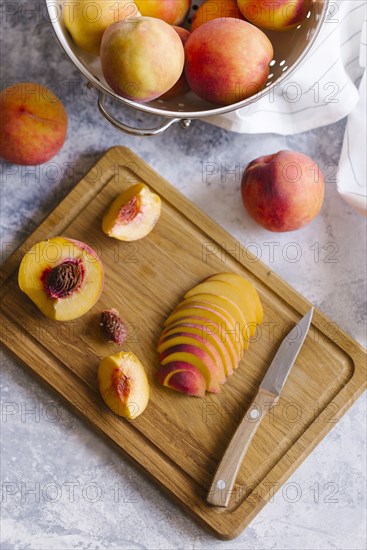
(226, 473)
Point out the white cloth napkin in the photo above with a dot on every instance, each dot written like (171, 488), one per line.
(336, 61)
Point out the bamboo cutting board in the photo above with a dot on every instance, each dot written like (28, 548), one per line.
(179, 440)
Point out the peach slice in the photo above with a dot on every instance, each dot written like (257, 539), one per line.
(198, 359)
(133, 214)
(245, 286)
(224, 331)
(63, 277)
(226, 305)
(182, 377)
(185, 338)
(231, 292)
(229, 327)
(123, 384)
(204, 330)
(226, 327)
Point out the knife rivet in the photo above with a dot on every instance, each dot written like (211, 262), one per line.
(221, 484)
(254, 414)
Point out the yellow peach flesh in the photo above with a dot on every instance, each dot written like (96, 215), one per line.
(246, 287)
(228, 305)
(232, 293)
(123, 384)
(46, 255)
(197, 327)
(133, 214)
(224, 327)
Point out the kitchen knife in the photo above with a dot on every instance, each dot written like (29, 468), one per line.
(268, 394)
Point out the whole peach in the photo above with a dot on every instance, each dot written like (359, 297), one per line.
(277, 15)
(284, 191)
(87, 20)
(172, 12)
(181, 87)
(33, 124)
(141, 58)
(215, 9)
(227, 60)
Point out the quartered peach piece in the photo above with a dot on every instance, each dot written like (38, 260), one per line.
(123, 384)
(63, 277)
(133, 214)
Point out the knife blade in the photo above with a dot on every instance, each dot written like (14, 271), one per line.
(280, 367)
(268, 394)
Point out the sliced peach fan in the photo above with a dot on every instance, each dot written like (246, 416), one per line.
(193, 360)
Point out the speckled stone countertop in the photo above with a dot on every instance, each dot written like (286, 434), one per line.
(63, 486)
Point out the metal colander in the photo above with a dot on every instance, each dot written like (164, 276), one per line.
(290, 48)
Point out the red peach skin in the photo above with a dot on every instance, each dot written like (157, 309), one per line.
(182, 377)
(141, 58)
(198, 326)
(284, 191)
(181, 87)
(172, 12)
(215, 9)
(276, 15)
(33, 124)
(216, 370)
(227, 60)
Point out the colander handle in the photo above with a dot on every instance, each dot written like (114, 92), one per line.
(185, 123)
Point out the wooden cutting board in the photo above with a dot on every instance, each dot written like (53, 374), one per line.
(179, 440)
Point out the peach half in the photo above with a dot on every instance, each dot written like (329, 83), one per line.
(63, 277)
(183, 378)
(133, 214)
(123, 384)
